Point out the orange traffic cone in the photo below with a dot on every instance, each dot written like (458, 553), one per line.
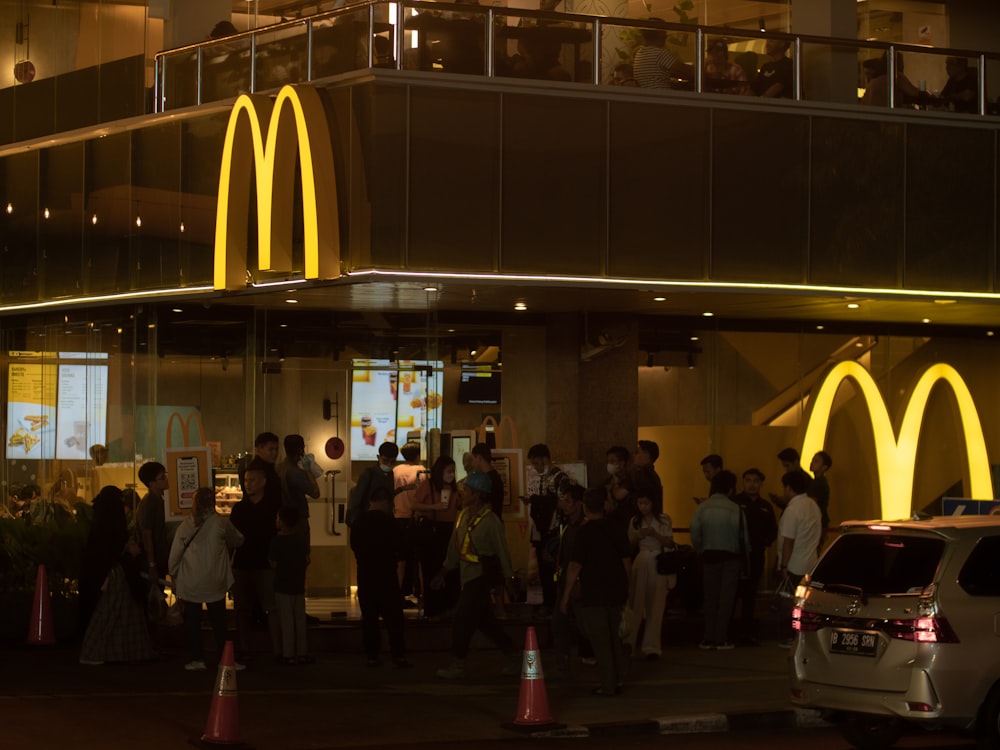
(533, 703)
(40, 629)
(223, 725)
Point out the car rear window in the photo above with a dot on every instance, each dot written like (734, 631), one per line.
(980, 575)
(881, 563)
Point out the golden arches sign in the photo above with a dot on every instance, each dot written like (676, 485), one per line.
(266, 134)
(896, 456)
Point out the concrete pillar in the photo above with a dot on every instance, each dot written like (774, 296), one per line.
(829, 74)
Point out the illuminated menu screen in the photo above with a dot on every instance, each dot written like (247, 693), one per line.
(393, 402)
(57, 405)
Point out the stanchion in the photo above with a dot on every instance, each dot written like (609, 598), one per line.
(533, 713)
(40, 629)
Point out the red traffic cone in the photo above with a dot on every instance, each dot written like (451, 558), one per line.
(223, 725)
(533, 702)
(40, 629)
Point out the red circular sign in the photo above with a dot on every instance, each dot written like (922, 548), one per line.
(334, 448)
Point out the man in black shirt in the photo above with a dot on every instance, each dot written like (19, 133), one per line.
(762, 528)
(602, 561)
(253, 579)
(377, 543)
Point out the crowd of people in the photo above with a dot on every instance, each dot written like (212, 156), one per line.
(603, 572)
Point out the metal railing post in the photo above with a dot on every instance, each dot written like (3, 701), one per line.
(797, 69)
(490, 43)
(699, 60)
(253, 63)
(309, 50)
(598, 50)
(982, 83)
(890, 71)
(201, 58)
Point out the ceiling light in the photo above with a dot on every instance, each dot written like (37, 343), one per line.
(177, 310)
(10, 208)
(45, 213)
(520, 306)
(945, 301)
(853, 305)
(694, 338)
(707, 314)
(93, 219)
(926, 320)
(292, 301)
(430, 288)
(989, 333)
(659, 299)
(138, 221)
(819, 328)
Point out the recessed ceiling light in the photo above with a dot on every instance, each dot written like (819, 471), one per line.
(989, 333)
(694, 338)
(430, 288)
(707, 314)
(177, 310)
(292, 301)
(945, 301)
(659, 299)
(520, 306)
(853, 305)
(926, 320)
(819, 328)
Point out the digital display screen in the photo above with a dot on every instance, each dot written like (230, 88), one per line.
(393, 402)
(57, 404)
(479, 384)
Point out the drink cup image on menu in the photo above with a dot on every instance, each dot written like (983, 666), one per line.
(368, 430)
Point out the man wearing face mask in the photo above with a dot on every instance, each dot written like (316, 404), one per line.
(617, 507)
(379, 475)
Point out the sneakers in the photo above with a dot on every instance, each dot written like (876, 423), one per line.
(196, 665)
(453, 671)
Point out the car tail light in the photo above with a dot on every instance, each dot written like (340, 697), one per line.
(806, 622)
(922, 707)
(921, 630)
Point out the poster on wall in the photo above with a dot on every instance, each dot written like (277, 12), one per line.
(393, 402)
(188, 469)
(57, 404)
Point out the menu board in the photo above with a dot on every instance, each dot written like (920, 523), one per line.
(31, 410)
(55, 409)
(393, 402)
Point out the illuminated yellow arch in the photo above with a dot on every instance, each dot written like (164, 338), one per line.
(295, 119)
(896, 459)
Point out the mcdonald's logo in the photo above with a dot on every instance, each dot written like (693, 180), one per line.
(896, 456)
(266, 134)
(185, 425)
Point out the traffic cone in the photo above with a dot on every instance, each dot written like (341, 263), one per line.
(223, 725)
(533, 703)
(40, 629)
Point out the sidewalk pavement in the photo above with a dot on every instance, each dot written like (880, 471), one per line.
(341, 702)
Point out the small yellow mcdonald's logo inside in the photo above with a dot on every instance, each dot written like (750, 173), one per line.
(896, 457)
(266, 134)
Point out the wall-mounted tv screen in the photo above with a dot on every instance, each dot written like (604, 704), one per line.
(479, 384)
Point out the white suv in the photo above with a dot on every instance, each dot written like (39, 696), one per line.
(900, 622)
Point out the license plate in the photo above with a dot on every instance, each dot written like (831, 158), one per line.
(855, 642)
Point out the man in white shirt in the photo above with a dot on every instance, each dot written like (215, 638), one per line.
(798, 533)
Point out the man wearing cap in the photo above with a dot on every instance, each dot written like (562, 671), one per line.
(479, 550)
(722, 76)
(379, 475)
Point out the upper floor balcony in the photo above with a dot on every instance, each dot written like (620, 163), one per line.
(586, 50)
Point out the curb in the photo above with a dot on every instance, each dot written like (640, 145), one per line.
(798, 718)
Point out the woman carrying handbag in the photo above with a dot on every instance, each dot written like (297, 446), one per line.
(650, 530)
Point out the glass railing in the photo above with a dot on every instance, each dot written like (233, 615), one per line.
(497, 42)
